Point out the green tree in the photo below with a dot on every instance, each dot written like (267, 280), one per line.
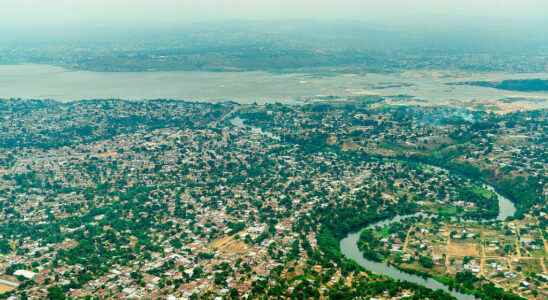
(56, 293)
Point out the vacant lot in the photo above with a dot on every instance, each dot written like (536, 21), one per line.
(462, 249)
(5, 288)
(229, 245)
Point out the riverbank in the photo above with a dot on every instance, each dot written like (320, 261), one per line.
(350, 250)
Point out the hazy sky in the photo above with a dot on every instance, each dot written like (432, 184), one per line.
(29, 13)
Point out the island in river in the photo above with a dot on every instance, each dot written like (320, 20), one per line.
(520, 85)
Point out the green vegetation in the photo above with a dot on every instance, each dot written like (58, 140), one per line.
(167, 193)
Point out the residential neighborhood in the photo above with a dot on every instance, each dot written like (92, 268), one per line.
(183, 200)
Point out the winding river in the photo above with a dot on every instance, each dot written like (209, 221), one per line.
(349, 247)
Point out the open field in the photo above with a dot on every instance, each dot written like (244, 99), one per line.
(5, 288)
(7, 285)
(229, 245)
(462, 249)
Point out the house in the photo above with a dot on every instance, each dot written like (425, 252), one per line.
(27, 274)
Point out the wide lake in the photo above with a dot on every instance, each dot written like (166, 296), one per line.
(43, 81)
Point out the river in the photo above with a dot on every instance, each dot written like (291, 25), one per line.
(349, 247)
(50, 82)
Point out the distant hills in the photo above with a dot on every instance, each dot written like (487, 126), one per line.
(280, 46)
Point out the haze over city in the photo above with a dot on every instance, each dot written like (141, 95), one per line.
(262, 149)
(28, 13)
